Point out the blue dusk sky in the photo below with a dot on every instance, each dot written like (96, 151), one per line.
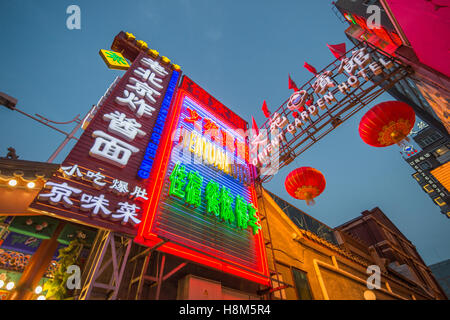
(239, 51)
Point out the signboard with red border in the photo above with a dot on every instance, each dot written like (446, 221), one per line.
(202, 195)
(102, 181)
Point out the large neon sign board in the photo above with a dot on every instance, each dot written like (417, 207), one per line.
(204, 200)
(97, 183)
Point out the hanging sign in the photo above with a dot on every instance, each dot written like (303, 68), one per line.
(114, 60)
(202, 196)
(312, 111)
(99, 183)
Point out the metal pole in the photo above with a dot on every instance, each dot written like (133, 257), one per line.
(122, 269)
(69, 136)
(39, 120)
(66, 140)
(160, 276)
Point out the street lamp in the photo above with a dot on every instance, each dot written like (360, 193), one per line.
(10, 103)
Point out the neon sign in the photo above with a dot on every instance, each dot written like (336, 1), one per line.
(204, 149)
(150, 151)
(202, 206)
(214, 146)
(310, 105)
(97, 183)
(218, 199)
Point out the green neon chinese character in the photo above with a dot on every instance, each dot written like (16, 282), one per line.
(253, 220)
(194, 189)
(241, 212)
(226, 211)
(212, 198)
(115, 57)
(177, 181)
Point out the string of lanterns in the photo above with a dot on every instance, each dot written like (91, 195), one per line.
(385, 124)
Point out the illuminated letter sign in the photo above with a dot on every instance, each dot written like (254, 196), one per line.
(319, 106)
(150, 151)
(197, 198)
(98, 182)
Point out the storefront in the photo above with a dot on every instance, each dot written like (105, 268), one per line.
(24, 234)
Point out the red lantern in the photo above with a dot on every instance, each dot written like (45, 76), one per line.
(305, 183)
(387, 123)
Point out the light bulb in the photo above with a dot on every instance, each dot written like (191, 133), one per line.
(10, 285)
(38, 290)
(12, 182)
(31, 185)
(41, 297)
(2, 283)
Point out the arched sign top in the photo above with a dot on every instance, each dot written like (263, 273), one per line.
(332, 96)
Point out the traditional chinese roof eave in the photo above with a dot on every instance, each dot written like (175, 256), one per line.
(28, 170)
(341, 251)
(30, 177)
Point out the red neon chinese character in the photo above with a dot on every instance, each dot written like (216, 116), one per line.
(211, 129)
(209, 125)
(228, 141)
(241, 152)
(193, 116)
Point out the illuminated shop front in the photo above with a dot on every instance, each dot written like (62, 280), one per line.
(205, 204)
(34, 248)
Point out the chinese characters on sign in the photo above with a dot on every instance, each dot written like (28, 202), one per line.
(98, 182)
(219, 200)
(138, 97)
(314, 104)
(150, 151)
(206, 203)
(114, 60)
(212, 103)
(99, 203)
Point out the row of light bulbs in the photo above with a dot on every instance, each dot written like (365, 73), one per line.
(13, 183)
(10, 285)
(144, 46)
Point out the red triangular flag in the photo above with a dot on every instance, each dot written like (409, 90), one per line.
(338, 50)
(255, 126)
(292, 84)
(310, 68)
(265, 110)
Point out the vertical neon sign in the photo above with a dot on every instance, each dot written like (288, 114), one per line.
(207, 212)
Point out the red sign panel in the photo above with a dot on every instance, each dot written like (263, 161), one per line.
(202, 196)
(97, 183)
(213, 104)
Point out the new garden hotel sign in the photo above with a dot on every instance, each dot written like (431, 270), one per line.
(102, 181)
(202, 197)
(318, 107)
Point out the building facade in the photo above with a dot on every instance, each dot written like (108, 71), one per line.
(30, 243)
(415, 42)
(313, 261)
(431, 166)
(426, 89)
(441, 272)
(179, 214)
(398, 256)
